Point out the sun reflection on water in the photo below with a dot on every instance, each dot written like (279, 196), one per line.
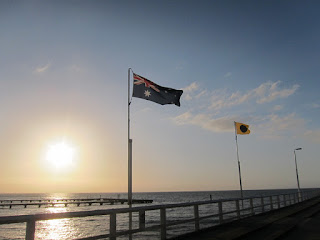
(56, 229)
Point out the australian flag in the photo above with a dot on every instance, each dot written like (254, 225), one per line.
(144, 88)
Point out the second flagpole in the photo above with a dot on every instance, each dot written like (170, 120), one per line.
(235, 131)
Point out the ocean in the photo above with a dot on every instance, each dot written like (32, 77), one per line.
(60, 229)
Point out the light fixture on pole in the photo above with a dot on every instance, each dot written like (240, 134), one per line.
(295, 160)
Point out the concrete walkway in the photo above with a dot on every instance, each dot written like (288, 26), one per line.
(300, 221)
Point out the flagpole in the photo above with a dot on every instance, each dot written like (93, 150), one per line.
(129, 159)
(129, 147)
(235, 131)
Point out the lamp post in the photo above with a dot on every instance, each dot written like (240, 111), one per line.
(295, 160)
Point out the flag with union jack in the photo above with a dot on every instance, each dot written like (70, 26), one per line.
(146, 89)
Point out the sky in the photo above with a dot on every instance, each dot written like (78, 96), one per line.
(64, 78)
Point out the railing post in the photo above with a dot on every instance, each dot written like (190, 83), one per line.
(251, 206)
(238, 209)
(284, 200)
(299, 197)
(271, 203)
(278, 200)
(220, 212)
(113, 226)
(31, 228)
(142, 219)
(262, 204)
(294, 198)
(290, 200)
(196, 217)
(163, 221)
(302, 196)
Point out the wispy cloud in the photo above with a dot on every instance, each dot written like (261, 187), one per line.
(270, 126)
(192, 87)
(275, 124)
(223, 124)
(75, 68)
(216, 106)
(221, 99)
(278, 107)
(201, 94)
(188, 91)
(266, 92)
(42, 68)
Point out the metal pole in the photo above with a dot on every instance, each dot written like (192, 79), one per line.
(129, 160)
(295, 160)
(235, 131)
(129, 147)
(130, 173)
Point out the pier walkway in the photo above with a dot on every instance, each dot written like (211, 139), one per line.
(295, 222)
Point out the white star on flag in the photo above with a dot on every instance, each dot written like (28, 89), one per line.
(147, 93)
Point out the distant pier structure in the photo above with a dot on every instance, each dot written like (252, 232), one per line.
(67, 201)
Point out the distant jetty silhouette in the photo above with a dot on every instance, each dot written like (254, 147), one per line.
(65, 202)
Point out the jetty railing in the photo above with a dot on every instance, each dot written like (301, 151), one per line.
(224, 210)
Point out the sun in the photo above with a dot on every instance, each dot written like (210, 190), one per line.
(60, 154)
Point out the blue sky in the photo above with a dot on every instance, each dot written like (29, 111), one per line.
(63, 75)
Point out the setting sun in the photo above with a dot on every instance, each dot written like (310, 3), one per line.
(60, 154)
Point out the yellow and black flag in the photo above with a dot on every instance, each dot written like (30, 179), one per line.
(242, 128)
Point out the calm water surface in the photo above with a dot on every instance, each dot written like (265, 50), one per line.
(90, 226)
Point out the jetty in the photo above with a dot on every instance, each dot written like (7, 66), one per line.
(261, 217)
(8, 203)
(295, 222)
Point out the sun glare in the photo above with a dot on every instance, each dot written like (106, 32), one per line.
(60, 154)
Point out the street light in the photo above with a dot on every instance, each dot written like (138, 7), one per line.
(295, 160)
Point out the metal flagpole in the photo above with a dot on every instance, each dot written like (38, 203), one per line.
(129, 159)
(129, 147)
(235, 131)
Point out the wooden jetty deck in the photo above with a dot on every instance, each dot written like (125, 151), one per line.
(295, 222)
(66, 202)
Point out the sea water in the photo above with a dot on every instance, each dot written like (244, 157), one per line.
(73, 228)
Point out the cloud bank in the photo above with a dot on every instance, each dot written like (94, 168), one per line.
(265, 93)
(223, 107)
